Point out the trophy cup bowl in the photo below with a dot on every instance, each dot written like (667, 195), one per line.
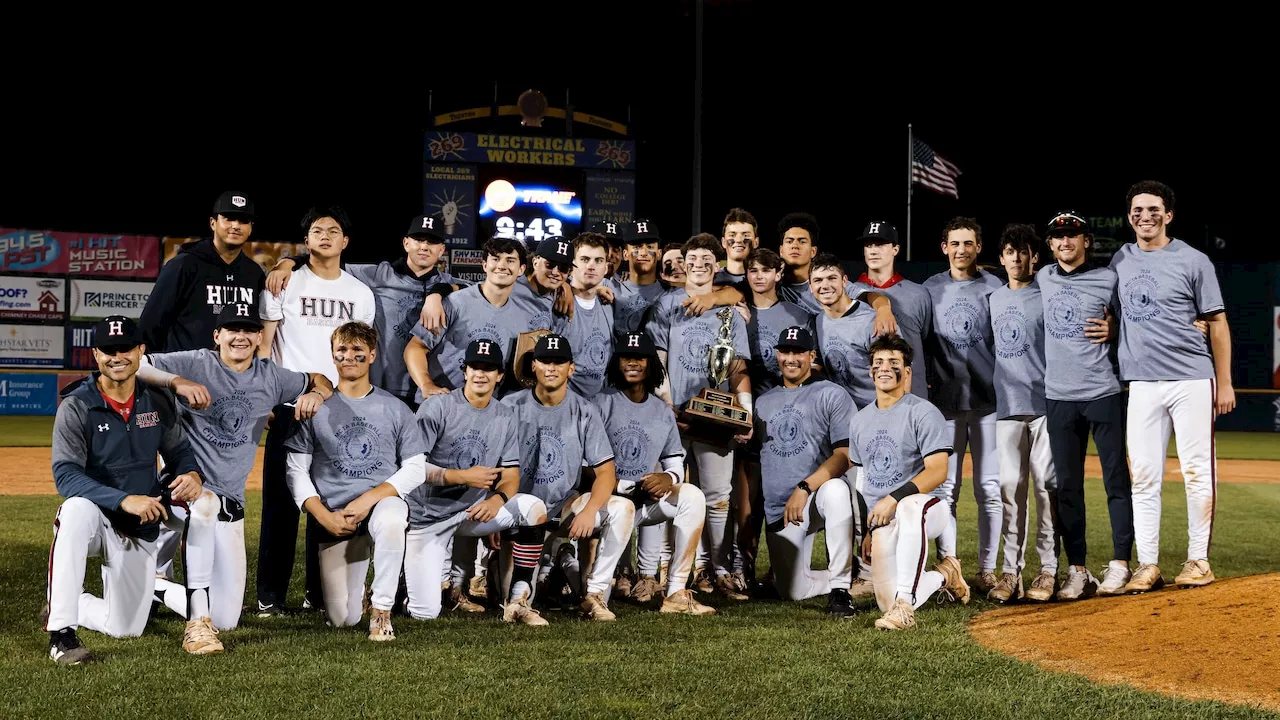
(714, 417)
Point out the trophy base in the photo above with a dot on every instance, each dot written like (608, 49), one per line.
(714, 418)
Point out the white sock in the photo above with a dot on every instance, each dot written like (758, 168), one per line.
(519, 589)
(199, 602)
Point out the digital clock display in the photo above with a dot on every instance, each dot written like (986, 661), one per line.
(529, 212)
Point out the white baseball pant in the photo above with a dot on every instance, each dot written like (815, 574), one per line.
(978, 434)
(214, 562)
(1188, 407)
(711, 469)
(899, 552)
(791, 546)
(428, 549)
(1023, 444)
(80, 530)
(345, 564)
(684, 510)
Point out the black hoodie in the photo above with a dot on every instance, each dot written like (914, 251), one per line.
(191, 291)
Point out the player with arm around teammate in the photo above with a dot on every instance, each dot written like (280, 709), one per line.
(231, 393)
(349, 468)
(106, 436)
(902, 442)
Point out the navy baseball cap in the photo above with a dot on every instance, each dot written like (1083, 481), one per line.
(614, 232)
(116, 331)
(553, 347)
(1068, 222)
(483, 352)
(878, 231)
(796, 338)
(556, 250)
(635, 343)
(242, 315)
(643, 231)
(426, 227)
(232, 203)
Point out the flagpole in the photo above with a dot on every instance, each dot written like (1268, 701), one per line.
(910, 157)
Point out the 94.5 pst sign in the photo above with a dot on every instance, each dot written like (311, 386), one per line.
(57, 253)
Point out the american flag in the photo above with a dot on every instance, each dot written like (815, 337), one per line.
(933, 171)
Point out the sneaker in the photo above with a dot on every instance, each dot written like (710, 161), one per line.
(726, 589)
(701, 582)
(646, 589)
(900, 617)
(1195, 573)
(839, 604)
(1080, 584)
(955, 585)
(1145, 579)
(739, 581)
(460, 601)
(1114, 579)
(985, 581)
(622, 586)
(518, 610)
(478, 587)
(65, 648)
(593, 607)
(1008, 587)
(1042, 588)
(861, 587)
(269, 610)
(201, 638)
(683, 602)
(380, 629)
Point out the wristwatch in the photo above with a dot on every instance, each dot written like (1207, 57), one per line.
(802, 485)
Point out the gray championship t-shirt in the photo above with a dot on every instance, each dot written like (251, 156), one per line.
(469, 316)
(1162, 292)
(225, 435)
(891, 445)
(800, 294)
(845, 342)
(913, 309)
(963, 358)
(460, 436)
(642, 435)
(798, 430)
(763, 330)
(687, 341)
(556, 443)
(1017, 323)
(1076, 368)
(539, 308)
(590, 334)
(630, 301)
(356, 444)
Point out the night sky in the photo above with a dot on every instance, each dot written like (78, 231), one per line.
(798, 115)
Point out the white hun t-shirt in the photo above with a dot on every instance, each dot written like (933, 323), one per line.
(309, 310)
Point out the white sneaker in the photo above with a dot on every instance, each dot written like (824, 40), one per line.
(1115, 578)
(1078, 585)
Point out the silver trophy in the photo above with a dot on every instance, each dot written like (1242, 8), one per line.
(714, 417)
(721, 352)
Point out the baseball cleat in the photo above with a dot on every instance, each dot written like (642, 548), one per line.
(1145, 579)
(955, 586)
(460, 601)
(839, 604)
(1195, 573)
(985, 581)
(645, 590)
(1008, 587)
(269, 610)
(380, 629)
(726, 588)
(683, 602)
(65, 648)
(201, 638)
(701, 581)
(478, 587)
(740, 582)
(1079, 585)
(900, 617)
(861, 587)
(622, 586)
(518, 610)
(594, 608)
(1042, 588)
(1115, 578)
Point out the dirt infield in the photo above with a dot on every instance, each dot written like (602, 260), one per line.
(1220, 642)
(30, 474)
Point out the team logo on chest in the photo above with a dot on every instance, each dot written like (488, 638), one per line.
(226, 423)
(147, 419)
(1141, 296)
(1065, 316)
(541, 320)
(357, 450)
(698, 337)
(594, 355)
(469, 450)
(407, 308)
(630, 449)
(764, 342)
(882, 461)
(549, 457)
(328, 312)
(786, 432)
(962, 324)
(1011, 334)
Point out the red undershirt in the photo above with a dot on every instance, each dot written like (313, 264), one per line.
(124, 409)
(894, 279)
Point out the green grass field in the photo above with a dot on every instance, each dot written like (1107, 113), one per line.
(759, 659)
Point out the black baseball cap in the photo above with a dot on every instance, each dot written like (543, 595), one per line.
(116, 331)
(556, 250)
(795, 337)
(553, 347)
(880, 232)
(241, 315)
(233, 203)
(1068, 222)
(642, 231)
(426, 227)
(635, 343)
(483, 352)
(614, 232)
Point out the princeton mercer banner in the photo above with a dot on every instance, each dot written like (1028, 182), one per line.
(31, 345)
(96, 299)
(528, 150)
(265, 253)
(57, 253)
(32, 298)
(28, 394)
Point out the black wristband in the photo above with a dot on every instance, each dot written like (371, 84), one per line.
(502, 495)
(441, 289)
(804, 485)
(906, 490)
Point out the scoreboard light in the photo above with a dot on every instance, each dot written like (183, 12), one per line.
(529, 213)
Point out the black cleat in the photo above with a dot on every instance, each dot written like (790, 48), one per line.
(839, 604)
(269, 610)
(65, 648)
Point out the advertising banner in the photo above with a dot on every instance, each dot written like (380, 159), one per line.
(57, 253)
(32, 298)
(28, 394)
(96, 299)
(444, 146)
(450, 192)
(31, 345)
(611, 197)
(467, 265)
